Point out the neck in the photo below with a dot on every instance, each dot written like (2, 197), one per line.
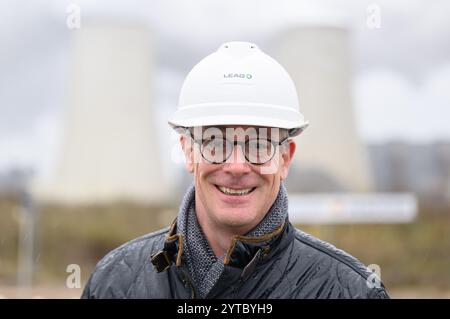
(219, 238)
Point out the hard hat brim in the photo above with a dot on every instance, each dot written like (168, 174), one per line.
(239, 114)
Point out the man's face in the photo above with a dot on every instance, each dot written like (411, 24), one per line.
(236, 195)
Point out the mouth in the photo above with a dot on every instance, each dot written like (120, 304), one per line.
(234, 191)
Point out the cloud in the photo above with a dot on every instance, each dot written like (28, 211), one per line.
(401, 79)
(389, 106)
(36, 148)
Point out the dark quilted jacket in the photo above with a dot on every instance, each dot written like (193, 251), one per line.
(285, 264)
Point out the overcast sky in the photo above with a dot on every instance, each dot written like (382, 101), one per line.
(401, 71)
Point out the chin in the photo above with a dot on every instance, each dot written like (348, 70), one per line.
(237, 218)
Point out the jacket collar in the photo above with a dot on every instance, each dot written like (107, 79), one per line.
(244, 252)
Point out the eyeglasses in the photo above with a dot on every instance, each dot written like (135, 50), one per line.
(256, 151)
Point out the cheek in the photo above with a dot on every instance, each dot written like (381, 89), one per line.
(268, 181)
(283, 173)
(273, 171)
(283, 169)
(202, 171)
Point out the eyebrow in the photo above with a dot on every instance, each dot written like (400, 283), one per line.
(284, 134)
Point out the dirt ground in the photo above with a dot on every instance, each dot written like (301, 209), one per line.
(75, 293)
(45, 292)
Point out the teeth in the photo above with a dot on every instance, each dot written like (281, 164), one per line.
(230, 191)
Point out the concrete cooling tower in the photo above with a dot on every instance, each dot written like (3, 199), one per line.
(110, 150)
(330, 156)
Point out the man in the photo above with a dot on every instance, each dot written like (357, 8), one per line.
(238, 110)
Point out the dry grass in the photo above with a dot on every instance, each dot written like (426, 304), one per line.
(410, 255)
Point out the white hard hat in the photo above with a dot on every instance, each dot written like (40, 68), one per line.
(239, 85)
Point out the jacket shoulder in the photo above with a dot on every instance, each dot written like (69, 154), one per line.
(329, 266)
(117, 269)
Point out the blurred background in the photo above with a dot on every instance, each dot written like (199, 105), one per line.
(88, 162)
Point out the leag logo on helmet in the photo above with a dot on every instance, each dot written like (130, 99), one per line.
(238, 75)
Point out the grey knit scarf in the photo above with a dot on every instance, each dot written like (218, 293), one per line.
(205, 268)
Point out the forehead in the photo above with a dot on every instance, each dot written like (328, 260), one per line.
(247, 128)
(238, 131)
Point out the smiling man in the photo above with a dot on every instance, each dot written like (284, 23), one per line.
(238, 111)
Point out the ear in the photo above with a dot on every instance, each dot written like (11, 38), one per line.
(188, 150)
(287, 155)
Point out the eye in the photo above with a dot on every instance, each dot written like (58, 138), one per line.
(214, 150)
(259, 150)
(213, 142)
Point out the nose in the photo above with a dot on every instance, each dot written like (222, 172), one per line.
(236, 163)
